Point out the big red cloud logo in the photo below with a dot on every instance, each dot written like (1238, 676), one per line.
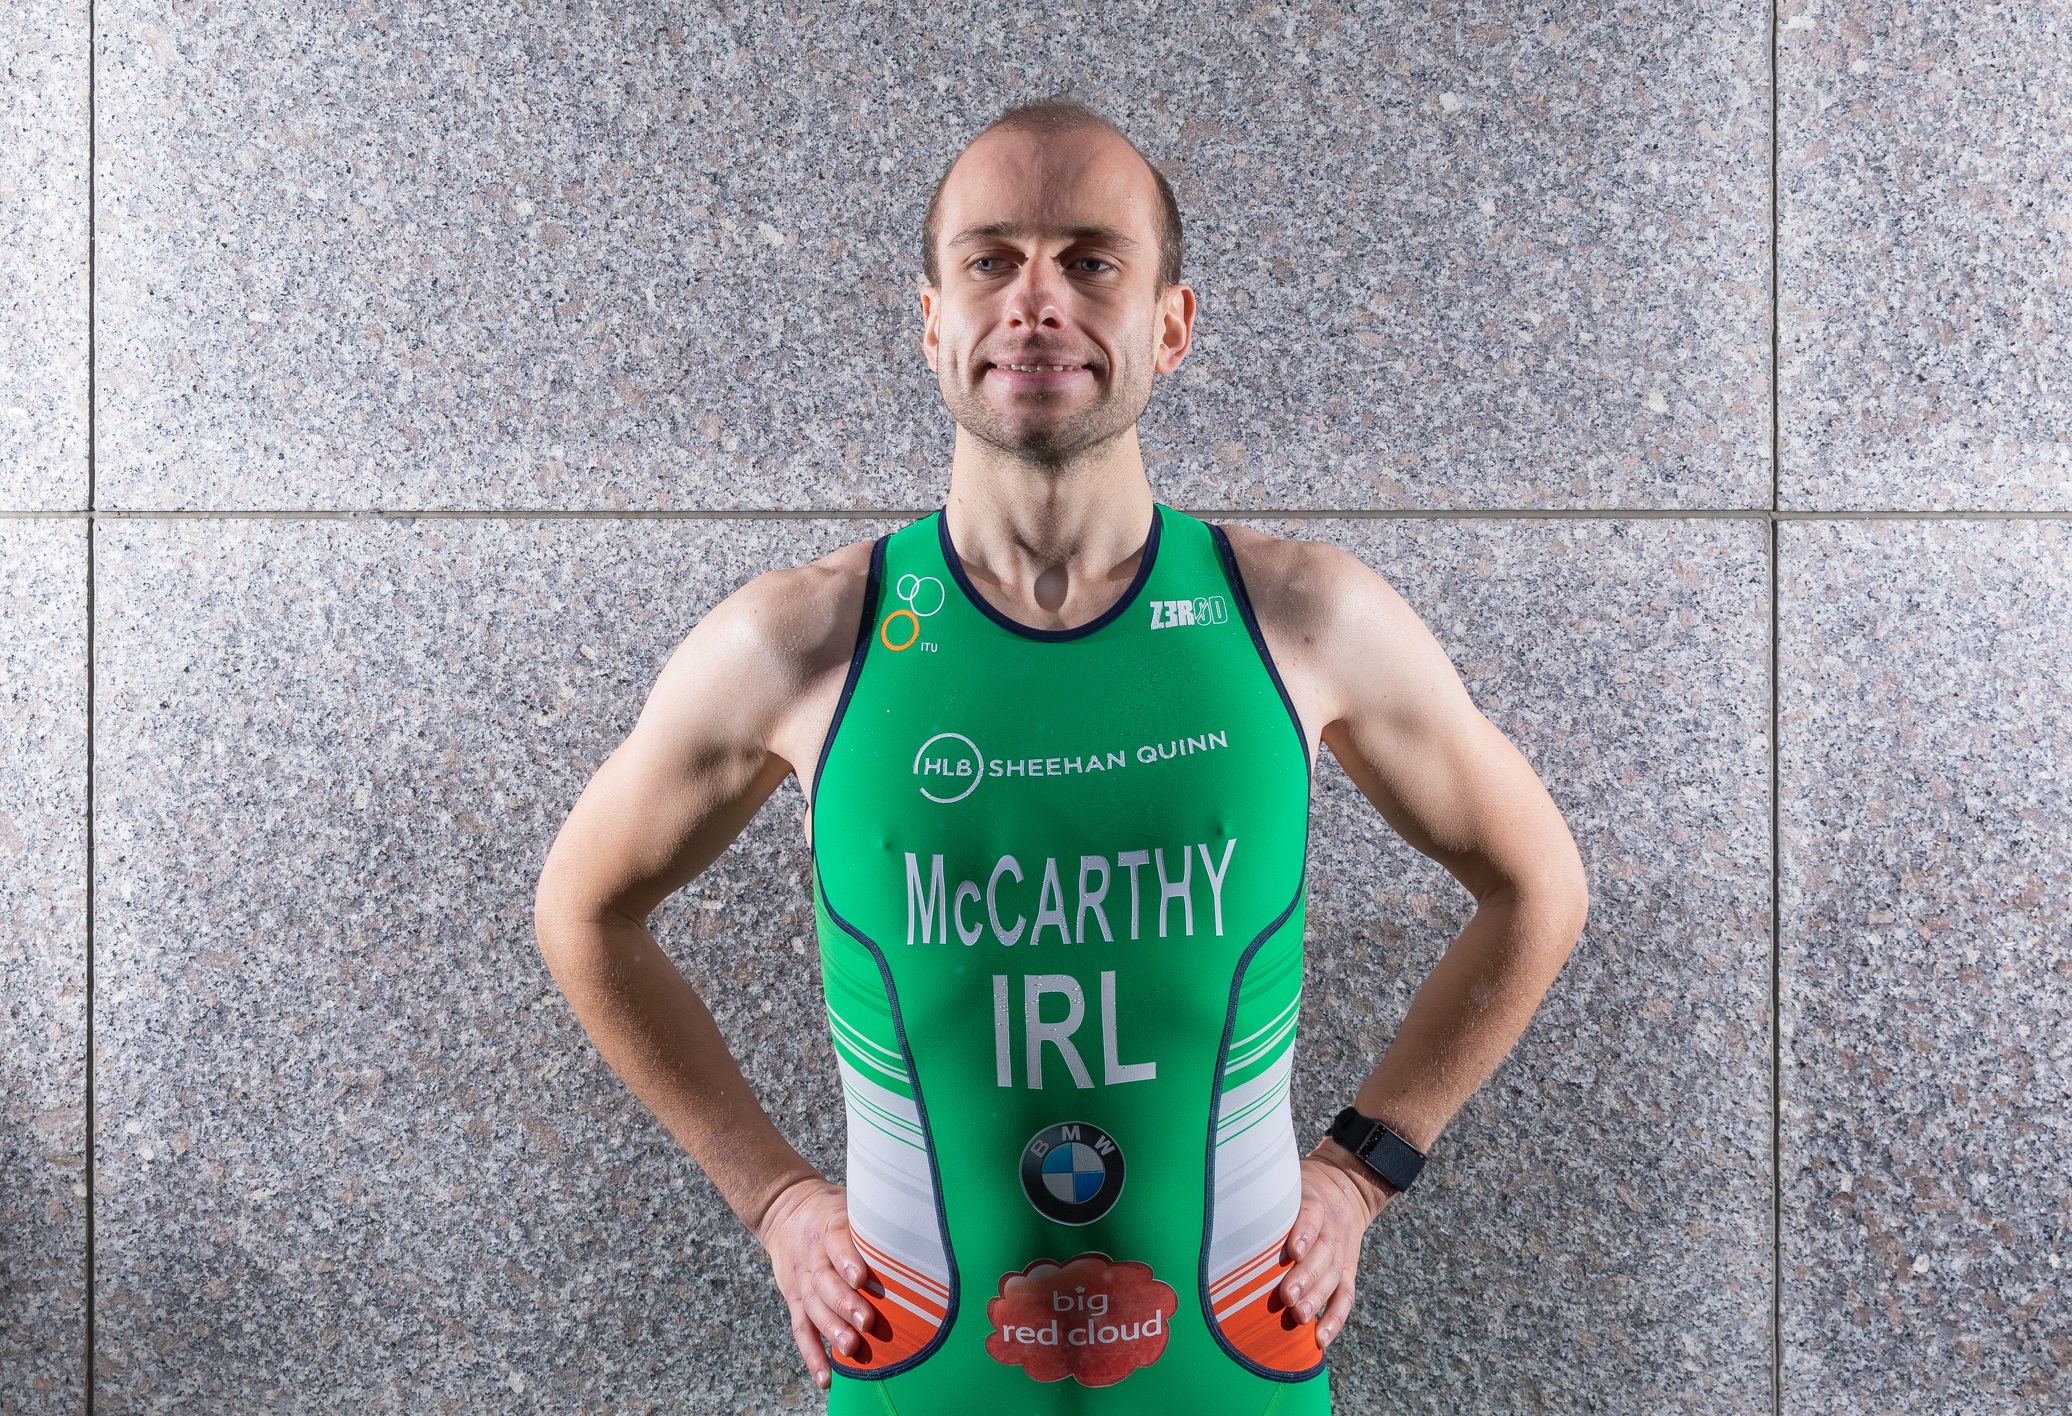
(1089, 1318)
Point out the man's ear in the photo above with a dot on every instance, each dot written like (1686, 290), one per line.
(931, 317)
(1176, 310)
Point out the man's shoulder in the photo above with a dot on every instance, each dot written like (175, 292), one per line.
(1338, 631)
(763, 657)
(798, 616)
(1305, 586)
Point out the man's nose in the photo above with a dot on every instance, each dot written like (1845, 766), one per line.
(1036, 300)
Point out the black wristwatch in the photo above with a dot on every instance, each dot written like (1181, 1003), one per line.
(1379, 1149)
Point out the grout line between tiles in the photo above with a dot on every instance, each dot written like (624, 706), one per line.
(1776, 983)
(1763, 514)
(1776, 992)
(92, 426)
(89, 1172)
(1776, 278)
(1776, 738)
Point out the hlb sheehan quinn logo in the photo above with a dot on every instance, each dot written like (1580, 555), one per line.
(900, 630)
(950, 767)
(1072, 1172)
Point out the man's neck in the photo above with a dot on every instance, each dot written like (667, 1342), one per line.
(1051, 546)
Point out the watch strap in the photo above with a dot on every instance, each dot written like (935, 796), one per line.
(1379, 1149)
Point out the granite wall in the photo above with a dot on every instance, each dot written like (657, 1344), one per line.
(385, 388)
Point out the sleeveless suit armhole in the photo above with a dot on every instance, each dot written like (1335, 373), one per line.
(1236, 577)
(873, 588)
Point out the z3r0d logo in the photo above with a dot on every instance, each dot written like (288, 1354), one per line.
(1072, 1172)
(1173, 614)
(950, 767)
(901, 629)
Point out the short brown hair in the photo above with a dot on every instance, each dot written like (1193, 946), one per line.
(1061, 116)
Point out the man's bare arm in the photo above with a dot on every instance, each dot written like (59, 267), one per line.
(743, 702)
(1374, 686)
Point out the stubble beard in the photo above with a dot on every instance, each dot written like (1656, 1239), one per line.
(1050, 444)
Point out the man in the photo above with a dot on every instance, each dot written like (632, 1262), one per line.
(1056, 745)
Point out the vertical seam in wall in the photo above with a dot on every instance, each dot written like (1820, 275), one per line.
(92, 426)
(1776, 994)
(1776, 339)
(1776, 749)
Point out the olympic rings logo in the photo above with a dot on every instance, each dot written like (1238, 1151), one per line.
(924, 596)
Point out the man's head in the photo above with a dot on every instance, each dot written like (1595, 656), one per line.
(1053, 256)
(1051, 117)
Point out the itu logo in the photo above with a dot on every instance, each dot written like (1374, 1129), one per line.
(1072, 1172)
(901, 629)
(950, 767)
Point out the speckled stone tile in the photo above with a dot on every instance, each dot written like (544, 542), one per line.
(1925, 255)
(353, 1147)
(651, 255)
(1927, 968)
(43, 568)
(44, 72)
(1593, 1233)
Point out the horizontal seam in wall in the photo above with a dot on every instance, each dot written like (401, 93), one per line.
(1763, 514)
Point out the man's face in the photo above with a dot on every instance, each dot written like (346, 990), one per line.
(1049, 322)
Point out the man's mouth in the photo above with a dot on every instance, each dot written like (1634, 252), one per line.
(1037, 375)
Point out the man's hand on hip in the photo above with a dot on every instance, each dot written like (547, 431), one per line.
(806, 1233)
(1340, 1198)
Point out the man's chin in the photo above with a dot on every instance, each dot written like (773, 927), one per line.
(1042, 442)
(1041, 431)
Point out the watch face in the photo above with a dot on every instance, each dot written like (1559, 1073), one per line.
(1381, 1150)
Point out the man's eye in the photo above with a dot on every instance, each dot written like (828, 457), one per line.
(986, 265)
(1093, 263)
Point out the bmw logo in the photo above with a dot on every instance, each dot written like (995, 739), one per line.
(1072, 1172)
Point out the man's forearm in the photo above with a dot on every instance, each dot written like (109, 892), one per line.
(1471, 1010)
(1469, 1013)
(657, 1034)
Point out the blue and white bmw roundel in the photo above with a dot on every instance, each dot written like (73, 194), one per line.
(1072, 1172)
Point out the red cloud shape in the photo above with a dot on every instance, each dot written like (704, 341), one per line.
(1089, 1318)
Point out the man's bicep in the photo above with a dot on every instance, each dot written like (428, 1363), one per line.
(1439, 772)
(686, 780)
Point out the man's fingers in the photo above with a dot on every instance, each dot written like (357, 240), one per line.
(1309, 1220)
(1316, 1287)
(802, 1332)
(830, 1288)
(1310, 1281)
(805, 1233)
(1333, 1321)
(839, 1334)
(843, 1254)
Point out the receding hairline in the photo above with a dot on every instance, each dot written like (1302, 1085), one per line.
(1011, 229)
(1060, 116)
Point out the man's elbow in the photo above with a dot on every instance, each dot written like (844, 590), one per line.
(550, 928)
(582, 932)
(1549, 901)
(565, 931)
(1560, 899)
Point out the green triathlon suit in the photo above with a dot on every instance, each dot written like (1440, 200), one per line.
(1060, 906)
